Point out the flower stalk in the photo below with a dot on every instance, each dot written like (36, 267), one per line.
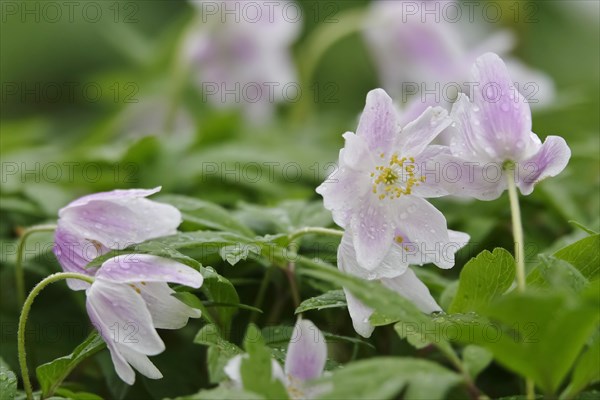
(19, 273)
(517, 228)
(25, 314)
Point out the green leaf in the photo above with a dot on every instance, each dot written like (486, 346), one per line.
(584, 255)
(220, 351)
(199, 214)
(556, 273)
(386, 377)
(586, 371)
(222, 393)
(526, 332)
(256, 368)
(8, 382)
(220, 291)
(482, 279)
(69, 394)
(476, 359)
(330, 299)
(238, 252)
(51, 374)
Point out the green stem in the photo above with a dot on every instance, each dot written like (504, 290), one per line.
(517, 228)
(314, 230)
(19, 273)
(264, 284)
(25, 314)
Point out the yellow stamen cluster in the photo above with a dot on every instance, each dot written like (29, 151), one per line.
(389, 177)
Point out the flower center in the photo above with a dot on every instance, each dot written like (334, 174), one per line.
(395, 179)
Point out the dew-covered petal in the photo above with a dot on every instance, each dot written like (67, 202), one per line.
(411, 288)
(121, 222)
(121, 315)
(132, 268)
(372, 231)
(393, 264)
(379, 123)
(360, 314)
(166, 310)
(419, 133)
(307, 352)
(341, 192)
(503, 112)
(550, 160)
(425, 227)
(74, 253)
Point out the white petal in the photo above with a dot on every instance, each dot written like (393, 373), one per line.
(167, 311)
(425, 227)
(360, 314)
(122, 316)
(372, 229)
(233, 369)
(140, 362)
(392, 265)
(411, 288)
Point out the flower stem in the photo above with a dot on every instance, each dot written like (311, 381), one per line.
(517, 231)
(314, 230)
(25, 314)
(19, 273)
(519, 251)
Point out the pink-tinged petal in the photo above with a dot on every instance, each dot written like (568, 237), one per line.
(167, 311)
(121, 315)
(307, 352)
(74, 253)
(140, 362)
(411, 288)
(419, 133)
(341, 193)
(118, 194)
(121, 221)
(133, 268)
(379, 122)
(552, 157)
(392, 265)
(433, 166)
(360, 314)
(425, 227)
(502, 111)
(465, 137)
(372, 232)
